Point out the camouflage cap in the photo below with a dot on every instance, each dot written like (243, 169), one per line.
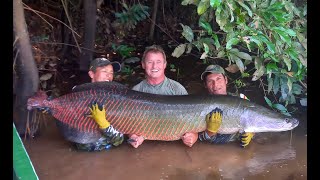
(100, 62)
(212, 69)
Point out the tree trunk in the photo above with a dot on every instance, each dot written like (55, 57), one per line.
(153, 22)
(26, 72)
(90, 8)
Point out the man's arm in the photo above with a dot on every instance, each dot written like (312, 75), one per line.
(214, 119)
(112, 135)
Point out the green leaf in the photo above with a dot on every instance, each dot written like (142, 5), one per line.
(284, 87)
(272, 67)
(238, 61)
(189, 48)
(257, 62)
(216, 41)
(284, 36)
(232, 41)
(206, 48)
(270, 45)
(282, 109)
(244, 55)
(203, 6)
(289, 84)
(256, 40)
(215, 3)
(296, 89)
(287, 61)
(268, 101)
(292, 53)
(206, 26)
(276, 84)
(187, 32)
(221, 17)
(270, 84)
(204, 55)
(179, 50)
(186, 2)
(245, 7)
(258, 73)
(221, 54)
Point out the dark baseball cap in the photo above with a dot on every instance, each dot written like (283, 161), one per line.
(100, 62)
(213, 69)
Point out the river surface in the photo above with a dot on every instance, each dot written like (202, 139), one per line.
(281, 155)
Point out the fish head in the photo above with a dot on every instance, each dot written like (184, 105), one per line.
(262, 119)
(37, 100)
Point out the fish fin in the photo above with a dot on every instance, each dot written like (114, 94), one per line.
(246, 138)
(107, 86)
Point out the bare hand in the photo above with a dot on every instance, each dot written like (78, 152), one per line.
(136, 140)
(189, 138)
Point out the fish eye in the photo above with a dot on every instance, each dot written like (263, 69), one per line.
(287, 120)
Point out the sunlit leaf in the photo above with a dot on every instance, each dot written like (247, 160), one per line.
(215, 3)
(258, 73)
(303, 102)
(245, 7)
(179, 50)
(287, 61)
(206, 48)
(45, 77)
(206, 26)
(187, 32)
(270, 84)
(257, 62)
(232, 41)
(216, 41)
(203, 6)
(204, 55)
(186, 2)
(244, 55)
(238, 61)
(289, 84)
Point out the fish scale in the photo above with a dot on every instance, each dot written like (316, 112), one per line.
(155, 117)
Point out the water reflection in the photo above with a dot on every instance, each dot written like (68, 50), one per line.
(255, 161)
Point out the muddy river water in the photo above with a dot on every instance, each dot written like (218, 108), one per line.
(281, 155)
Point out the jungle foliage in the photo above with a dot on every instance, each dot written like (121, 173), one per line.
(271, 34)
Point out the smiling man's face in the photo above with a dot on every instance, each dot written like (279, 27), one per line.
(154, 65)
(104, 73)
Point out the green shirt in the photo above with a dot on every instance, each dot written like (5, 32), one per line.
(167, 87)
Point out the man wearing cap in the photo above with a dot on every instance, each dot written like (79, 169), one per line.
(101, 69)
(216, 81)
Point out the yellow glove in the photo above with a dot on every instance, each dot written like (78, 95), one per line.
(99, 116)
(213, 120)
(246, 138)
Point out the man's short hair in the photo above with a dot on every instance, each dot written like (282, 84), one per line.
(100, 62)
(154, 49)
(212, 69)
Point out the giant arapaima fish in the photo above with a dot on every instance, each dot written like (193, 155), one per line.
(155, 117)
